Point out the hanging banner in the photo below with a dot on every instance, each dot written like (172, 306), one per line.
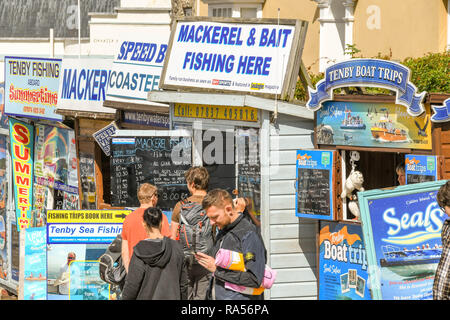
(368, 73)
(402, 234)
(55, 158)
(32, 87)
(35, 266)
(441, 113)
(342, 262)
(22, 151)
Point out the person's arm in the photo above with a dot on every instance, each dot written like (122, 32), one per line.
(125, 255)
(174, 230)
(252, 216)
(175, 223)
(134, 279)
(255, 266)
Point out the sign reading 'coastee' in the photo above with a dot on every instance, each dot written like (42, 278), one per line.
(230, 56)
(368, 73)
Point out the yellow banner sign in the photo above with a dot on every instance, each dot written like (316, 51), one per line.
(86, 216)
(215, 112)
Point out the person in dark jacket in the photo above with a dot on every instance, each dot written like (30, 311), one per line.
(236, 233)
(157, 270)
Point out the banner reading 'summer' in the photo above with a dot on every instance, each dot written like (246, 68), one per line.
(22, 151)
(31, 87)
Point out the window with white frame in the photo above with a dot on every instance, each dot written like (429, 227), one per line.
(235, 9)
(222, 12)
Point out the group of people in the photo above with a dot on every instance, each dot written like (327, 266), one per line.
(171, 262)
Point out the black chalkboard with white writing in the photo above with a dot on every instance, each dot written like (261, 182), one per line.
(313, 196)
(159, 160)
(315, 188)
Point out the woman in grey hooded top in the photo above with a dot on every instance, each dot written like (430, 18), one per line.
(157, 270)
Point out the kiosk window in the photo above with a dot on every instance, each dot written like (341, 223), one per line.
(218, 158)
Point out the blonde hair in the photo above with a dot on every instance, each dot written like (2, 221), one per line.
(145, 192)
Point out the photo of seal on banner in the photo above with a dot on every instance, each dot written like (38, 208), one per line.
(368, 73)
(441, 113)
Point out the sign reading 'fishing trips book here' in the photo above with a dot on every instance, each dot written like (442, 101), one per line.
(368, 73)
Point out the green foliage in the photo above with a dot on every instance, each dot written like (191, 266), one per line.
(430, 73)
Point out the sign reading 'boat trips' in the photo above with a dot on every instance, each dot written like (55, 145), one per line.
(342, 262)
(372, 125)
(402, 233)
(420, 168)
(368, 73)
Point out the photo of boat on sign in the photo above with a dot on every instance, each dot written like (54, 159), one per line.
(372, 125)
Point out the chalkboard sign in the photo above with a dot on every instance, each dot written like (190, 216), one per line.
(161, 159)
(249, 171)
(315, 189)
(218, 158)
(420, 168)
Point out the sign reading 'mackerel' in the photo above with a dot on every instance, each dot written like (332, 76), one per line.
(229, 56)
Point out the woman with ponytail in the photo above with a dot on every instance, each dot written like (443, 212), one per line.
(157, 270)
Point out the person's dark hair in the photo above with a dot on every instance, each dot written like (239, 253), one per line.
(153, 217)
(443, 195)
(199, 176)
(218, 198)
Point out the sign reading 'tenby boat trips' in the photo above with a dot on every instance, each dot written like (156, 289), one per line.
(368, 73)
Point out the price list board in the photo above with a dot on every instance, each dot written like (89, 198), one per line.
(160, 160)
(316, 188)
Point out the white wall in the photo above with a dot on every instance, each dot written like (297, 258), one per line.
(292, 240)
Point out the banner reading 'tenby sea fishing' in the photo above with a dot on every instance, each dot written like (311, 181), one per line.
(368, 73)
(22, 142)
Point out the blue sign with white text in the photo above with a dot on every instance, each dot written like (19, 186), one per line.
(372, 73)
(342, 262)
(420, 168)
(404, 246)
